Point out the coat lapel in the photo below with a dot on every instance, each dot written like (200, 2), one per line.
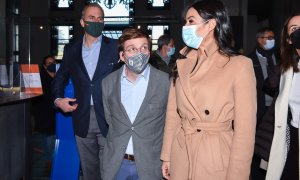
(281, 107)
(185, 67)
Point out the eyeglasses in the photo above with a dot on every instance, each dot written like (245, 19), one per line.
(135, 50)
(268, 37)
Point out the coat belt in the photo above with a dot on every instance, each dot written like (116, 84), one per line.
(194, 126)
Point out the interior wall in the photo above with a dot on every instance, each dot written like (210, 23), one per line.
(2, 32)
(39, 14)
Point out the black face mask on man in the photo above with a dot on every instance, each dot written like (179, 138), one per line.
(295, 38)
(94, 28)
(52, 68)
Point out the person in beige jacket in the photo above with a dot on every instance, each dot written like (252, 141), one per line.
(211, 113)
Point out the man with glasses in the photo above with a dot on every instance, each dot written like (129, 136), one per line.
(265, 57)
(134, 99)
(86, 63)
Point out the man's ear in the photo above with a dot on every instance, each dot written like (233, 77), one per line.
(121, 55)
(82, 23)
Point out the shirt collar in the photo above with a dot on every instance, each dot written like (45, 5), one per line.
(99, 39)
(144, 74)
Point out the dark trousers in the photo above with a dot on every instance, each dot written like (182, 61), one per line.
(91, 150)
(291, 168)
(256, 172)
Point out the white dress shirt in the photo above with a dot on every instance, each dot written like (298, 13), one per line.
(132, 96)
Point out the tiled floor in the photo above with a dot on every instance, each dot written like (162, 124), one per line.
(40, 166)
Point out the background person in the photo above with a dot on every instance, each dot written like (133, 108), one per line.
(162, 58)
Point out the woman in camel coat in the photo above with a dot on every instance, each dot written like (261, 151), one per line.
(213, 90)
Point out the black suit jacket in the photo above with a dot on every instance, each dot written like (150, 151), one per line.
(73, 67)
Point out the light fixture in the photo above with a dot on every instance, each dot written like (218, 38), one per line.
(111, 3)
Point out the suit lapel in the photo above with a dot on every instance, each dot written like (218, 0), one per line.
(117, 91)
(149, 93)
(101, 59)
(78, 55)
(258, 68)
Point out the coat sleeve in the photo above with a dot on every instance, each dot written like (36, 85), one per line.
(242, 146)
(61, 77)
(172, 124)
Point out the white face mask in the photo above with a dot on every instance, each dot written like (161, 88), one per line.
(269, 44)
(190, 37)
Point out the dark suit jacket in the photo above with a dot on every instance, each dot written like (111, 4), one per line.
(73, 67)
(259, 84)
(156, 61)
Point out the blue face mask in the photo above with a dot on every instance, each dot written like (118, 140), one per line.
(171, 51)
(269, 44)
(190, 37)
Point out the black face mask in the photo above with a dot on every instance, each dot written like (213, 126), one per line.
(295, 38)
(52, 68)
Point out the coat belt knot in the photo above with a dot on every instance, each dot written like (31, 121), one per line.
(192, 126)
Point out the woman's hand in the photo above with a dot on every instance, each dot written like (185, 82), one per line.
(166, 169)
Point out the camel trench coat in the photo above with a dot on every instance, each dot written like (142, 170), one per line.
(212, 94)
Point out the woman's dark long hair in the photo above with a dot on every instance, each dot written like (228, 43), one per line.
(214, 9)
(288, 54)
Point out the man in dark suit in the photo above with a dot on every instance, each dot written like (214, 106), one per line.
(134, 99)
(86, 63)
(162, 58)
(265, 58)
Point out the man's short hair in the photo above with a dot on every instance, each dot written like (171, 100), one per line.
(91, 5)
(163, 40)
(46, 57)
(260, 32)
(132, 33)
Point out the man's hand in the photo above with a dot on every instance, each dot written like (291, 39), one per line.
(64, 104)
(166, 169)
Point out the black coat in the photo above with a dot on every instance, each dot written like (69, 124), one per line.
(265, 130)
(260, 84)
(156, 61)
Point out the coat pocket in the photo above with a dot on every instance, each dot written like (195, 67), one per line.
(218, 163)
